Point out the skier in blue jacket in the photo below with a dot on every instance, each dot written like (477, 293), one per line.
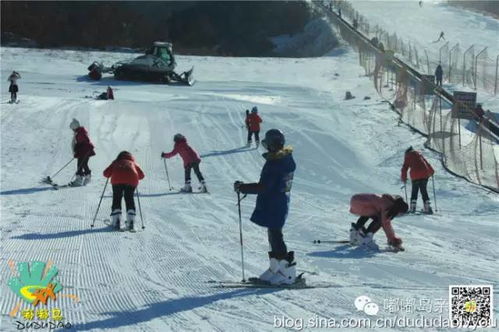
(272, 204)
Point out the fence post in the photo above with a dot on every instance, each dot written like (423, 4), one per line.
(480, 124)
(476, 64)
(495, 84)
(464, 64)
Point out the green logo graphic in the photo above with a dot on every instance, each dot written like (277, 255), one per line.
(34, 284)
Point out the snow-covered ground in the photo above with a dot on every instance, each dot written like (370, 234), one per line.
(156, 279)
(424, 24)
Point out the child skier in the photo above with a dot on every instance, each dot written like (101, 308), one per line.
(83, 149)
(191, 161)
(381, 209)
(253, 122)
(420, 172)
(108, 95)
(13, 88)
(125, 175)
(272, 203)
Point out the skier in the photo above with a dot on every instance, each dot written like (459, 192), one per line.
(420, 172)
(125, 175)
(13, 88)
(191, 161)
(253, 121)
(83, 149)
(108, 95)
(439, 75)
(420, 3)
(381, 209)
(272, 202)
(440, 37)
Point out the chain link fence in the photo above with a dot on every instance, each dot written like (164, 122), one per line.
(460, 66)
(468, 147)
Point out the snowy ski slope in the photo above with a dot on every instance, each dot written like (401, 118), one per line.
(156, 279)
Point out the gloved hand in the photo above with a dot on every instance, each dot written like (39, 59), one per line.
(162, 155)
(396, 242)
(237, 185)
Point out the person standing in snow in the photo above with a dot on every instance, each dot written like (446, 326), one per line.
(13, 87)
(420, 172)
(191, 162)
(83, 149)
(125, 174)
(439, 73)
(272, 204)
(381, 209)
(253, 121)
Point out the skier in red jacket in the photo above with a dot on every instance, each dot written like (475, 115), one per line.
(381, 209)
(420, 172)
(83, 149)
(125, 174)
(253, 123)
(191, 161)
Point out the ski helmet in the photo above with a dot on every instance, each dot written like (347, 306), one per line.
(254, 109)
(274, 140)
(178, 138)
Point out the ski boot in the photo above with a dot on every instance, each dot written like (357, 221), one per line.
(86, 179)
(130, 219)
(272, 270)
(116, 219)
(412, 209)
(187, 187)
(427, 208)
(286, 273)
(368, 242)
(257, 144)
(77, 182)
(203, 188)
(356, 236)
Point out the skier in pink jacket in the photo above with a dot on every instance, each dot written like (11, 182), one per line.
(381, 209)
(191, 161)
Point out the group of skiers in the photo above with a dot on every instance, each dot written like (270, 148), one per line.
(272, 190)
(125, 173)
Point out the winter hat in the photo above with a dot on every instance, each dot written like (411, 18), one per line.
(409, 149)
(254, 109)
(399, 206)
(124, 155)
(178, 138)
(74, 124)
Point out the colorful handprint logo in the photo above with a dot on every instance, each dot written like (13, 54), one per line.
(36, 282)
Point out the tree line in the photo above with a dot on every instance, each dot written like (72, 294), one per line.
(233, 28)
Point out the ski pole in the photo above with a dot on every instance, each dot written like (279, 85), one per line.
(140, 209)
(167, 176)
(240, 232)
(434, 195)
(100, 201)
(63, 167)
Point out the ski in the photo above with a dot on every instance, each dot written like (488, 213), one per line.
(257, 283)
(331, 241)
